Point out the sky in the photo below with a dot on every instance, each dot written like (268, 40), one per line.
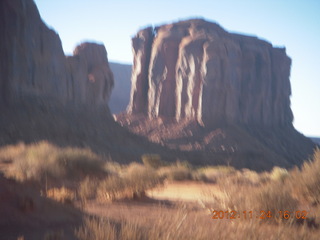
(294, 24)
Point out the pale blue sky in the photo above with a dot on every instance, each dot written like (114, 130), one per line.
(294, 24)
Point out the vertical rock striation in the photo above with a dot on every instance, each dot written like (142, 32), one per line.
(32, 62)
(196, 70)
(224, 97)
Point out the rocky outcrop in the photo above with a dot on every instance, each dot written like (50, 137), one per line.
(223, 97)
(91, 77)
(141, 45)
(194, 69)
(33, 63)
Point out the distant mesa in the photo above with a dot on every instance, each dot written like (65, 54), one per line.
(198, 88)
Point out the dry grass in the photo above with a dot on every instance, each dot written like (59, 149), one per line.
(42, 161)
(175, 173)
(132, 182)
(184, 222)
(306, 182)
(63, 195)
(152, 161)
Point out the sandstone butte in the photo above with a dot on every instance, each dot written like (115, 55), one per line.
(45, 95)
(197, 87)
(207, 96)
(33, 63)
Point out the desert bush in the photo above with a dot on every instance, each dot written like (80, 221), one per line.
(139, 178)
(132, 182)
(306, 182)
(88, 188)
(112, 167)
(63, 195)
(213, 173)
(175, 173)
(279, 174)
(273, 197)
(43, 160)
(152, 160)
(111, 188)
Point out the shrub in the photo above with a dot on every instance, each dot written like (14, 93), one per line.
(152, 161)
(111, 188)
(279, 174)
(132, 182)
(306, 181)
(62, 195)
(44, 160)
(87, 189)
(273, 197)
(176, 173)
(139, 178)
(213, 173)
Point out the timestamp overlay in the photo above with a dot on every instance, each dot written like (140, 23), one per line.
(262, 214)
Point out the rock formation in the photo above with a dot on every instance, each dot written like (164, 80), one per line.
(222, 96)
(91, 76)
(196, 70)
(33, 63)
(47, 96)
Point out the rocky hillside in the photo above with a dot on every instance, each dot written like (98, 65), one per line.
(196, 87)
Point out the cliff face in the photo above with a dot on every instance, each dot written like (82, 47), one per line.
(196, 70)
(33, 63)
(223, 97)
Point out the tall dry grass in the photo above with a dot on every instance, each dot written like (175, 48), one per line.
(43, 160)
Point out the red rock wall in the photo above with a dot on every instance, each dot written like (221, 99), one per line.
(199, 71)
(32, 62)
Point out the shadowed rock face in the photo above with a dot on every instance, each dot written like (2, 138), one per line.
(223, 96)
(33, 63)
(91, 77)
(196, 70)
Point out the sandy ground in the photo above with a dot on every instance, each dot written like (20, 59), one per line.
(186, 191)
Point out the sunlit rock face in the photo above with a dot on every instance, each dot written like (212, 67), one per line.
(33, 64)
(196, 70)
